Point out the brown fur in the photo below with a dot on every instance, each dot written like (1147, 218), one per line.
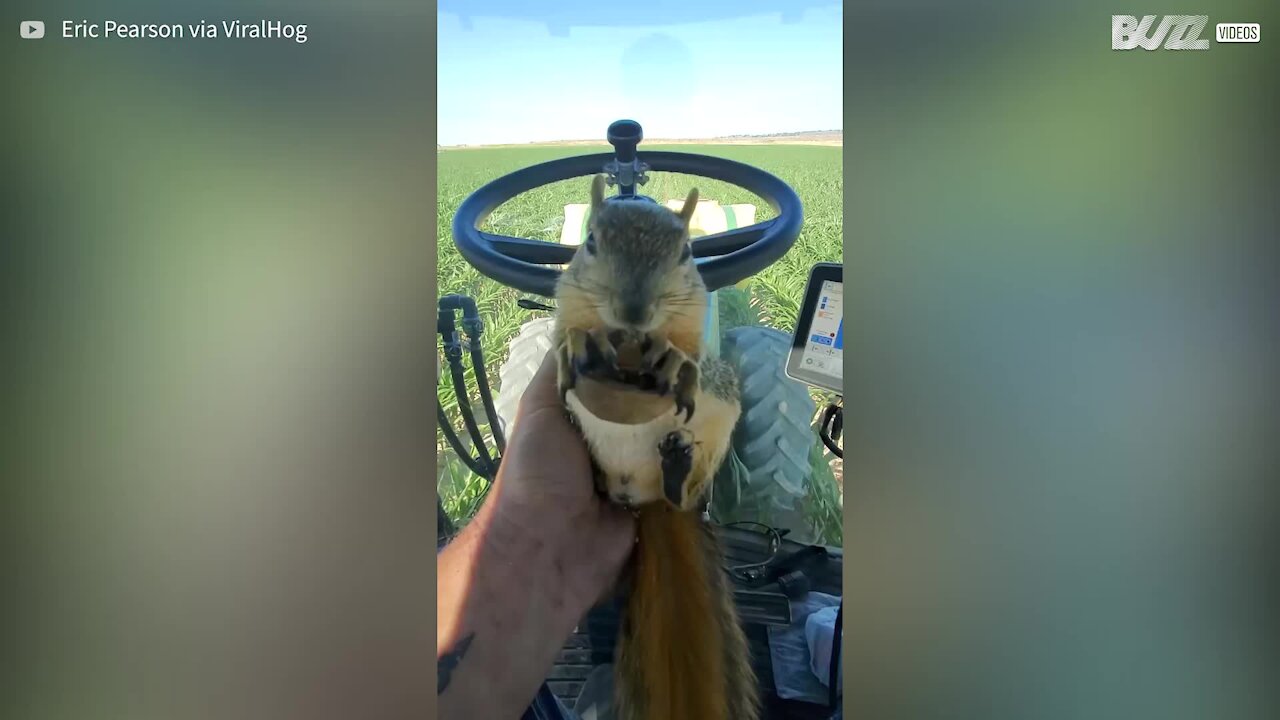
(681, 651)
(670, 658)
(720, 407)
(679, 611)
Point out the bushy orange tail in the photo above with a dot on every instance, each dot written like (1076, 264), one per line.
(681, 654)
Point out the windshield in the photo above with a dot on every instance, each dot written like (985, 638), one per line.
(712, 70)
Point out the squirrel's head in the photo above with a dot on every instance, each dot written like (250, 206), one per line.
(636, 265)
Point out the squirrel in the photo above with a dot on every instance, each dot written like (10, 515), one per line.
(658, 416)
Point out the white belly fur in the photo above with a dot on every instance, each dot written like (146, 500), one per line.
(629, 451)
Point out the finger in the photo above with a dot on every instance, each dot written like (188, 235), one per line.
(618, 536)
(541, 392)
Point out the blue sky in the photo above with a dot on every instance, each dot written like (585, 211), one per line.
(512, 72)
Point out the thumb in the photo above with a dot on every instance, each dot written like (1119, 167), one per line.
(542, 392)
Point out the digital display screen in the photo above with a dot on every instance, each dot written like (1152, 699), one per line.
(823, 352)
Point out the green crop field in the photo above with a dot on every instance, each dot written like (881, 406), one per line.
(771, 298)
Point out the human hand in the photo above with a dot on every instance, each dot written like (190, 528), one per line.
(546, 494)
(542, 549)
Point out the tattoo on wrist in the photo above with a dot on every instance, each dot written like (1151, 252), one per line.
(447, 662)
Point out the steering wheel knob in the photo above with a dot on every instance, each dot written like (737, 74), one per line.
(624, 136)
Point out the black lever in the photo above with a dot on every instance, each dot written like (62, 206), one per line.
(624, 135)
(625, 170)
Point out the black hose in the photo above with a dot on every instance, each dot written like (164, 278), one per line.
(831, 427)
(453, 353)
(474, 326)
(473, 464)
(444, 527)
(469, 418)
(486, 398)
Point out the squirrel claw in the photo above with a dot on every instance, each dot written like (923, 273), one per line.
(686, 406)
(674, 372)
(598, 356)
(686, 388)
(591, 354)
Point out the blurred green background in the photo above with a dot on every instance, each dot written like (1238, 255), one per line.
(218, 260)
(1062, 342)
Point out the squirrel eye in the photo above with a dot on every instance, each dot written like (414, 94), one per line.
(686, 253)
(590, 244)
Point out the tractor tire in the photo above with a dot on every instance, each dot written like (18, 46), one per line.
(525, 353)
(773, 438)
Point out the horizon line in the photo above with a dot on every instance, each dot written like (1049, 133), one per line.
(652, 141)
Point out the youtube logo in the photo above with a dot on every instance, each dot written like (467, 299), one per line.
(31, 29)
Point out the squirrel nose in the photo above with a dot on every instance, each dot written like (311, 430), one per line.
(634, 313)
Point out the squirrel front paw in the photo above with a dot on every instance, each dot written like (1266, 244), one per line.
(675, 372)
(586, 354)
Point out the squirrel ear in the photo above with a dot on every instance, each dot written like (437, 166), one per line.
(690, 206)
(597, 192)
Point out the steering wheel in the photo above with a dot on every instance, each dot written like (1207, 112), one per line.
(723, 258)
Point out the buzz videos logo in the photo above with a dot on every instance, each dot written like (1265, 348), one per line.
(1175, 32)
